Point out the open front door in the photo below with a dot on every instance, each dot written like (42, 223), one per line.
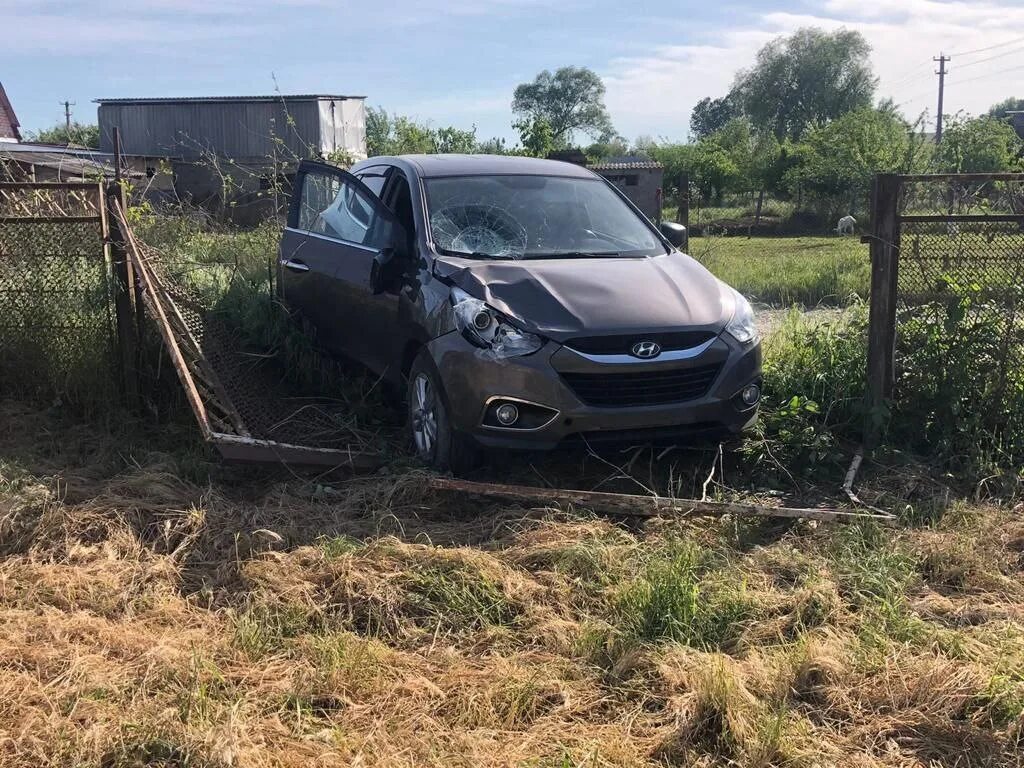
(336, 228)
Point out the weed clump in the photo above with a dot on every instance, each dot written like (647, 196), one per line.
(680, 596)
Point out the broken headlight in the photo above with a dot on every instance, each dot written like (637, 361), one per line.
(742, 326)
(484, 327)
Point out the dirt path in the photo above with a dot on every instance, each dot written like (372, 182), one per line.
(769, 318)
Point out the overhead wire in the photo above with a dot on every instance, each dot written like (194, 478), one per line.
(987, 74)
(991, 58)
(990, 47)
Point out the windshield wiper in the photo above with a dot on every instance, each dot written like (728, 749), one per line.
(476, 254)
(571, 255)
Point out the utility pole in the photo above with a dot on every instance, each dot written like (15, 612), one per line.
(67, 115)
(942, 59)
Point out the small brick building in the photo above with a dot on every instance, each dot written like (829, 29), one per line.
(639, 179)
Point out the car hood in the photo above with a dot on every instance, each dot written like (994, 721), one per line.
(563, 298)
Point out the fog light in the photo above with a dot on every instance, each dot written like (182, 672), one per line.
(507, 414)
(750, 394)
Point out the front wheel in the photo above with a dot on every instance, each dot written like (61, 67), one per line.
(433, 439)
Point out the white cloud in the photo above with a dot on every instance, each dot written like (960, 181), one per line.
(654, 92)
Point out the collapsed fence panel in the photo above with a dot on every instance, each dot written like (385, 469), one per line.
(234, 406)
(947, 306)
(56, 331)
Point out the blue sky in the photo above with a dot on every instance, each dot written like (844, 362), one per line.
(457, 61)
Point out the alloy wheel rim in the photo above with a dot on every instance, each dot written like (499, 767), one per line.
(424, 415)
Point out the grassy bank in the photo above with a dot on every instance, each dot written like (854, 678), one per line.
(230, 620)
(789, 270)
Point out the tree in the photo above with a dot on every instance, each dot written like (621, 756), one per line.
(400, 135)
(806, 79)
(570, 100)
(615, 146)
(535, 135)
(836, 162)
(493, 146)
(1003, 108)
(710, 115)
(447, 140)
(978, 145)
(81, 135)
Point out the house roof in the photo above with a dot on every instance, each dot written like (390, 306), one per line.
(8, 120)
(625, 163)
(625, 166)
(216, 99)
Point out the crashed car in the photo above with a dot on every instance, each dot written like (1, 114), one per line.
(519, 302)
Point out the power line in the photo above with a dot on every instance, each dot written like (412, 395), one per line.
(987, 74)
(990, 58)
(914, 74)
(989, 48)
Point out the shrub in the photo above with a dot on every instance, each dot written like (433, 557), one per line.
(814, 391)
(959, 392)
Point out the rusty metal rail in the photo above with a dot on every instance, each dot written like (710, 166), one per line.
(220, 421)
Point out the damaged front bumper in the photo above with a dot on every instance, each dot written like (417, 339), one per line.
(562, 394)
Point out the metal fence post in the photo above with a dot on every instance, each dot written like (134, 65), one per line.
(684, 206)
(884, 245)
(124, 294)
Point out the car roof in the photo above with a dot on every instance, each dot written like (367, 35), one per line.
(428, 166)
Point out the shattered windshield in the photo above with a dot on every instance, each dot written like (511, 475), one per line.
(523, 217)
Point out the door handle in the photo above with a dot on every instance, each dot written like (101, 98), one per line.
(295, 265)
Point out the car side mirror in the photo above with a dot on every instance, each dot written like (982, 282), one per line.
(674, 233)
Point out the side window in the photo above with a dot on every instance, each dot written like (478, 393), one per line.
(375, 181)
(336, 207)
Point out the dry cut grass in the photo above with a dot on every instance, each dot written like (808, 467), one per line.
(151, 619)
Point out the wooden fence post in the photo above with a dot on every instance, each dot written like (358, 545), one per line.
(884, 245)
(124, 289)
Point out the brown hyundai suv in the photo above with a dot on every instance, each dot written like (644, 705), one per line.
(520, 302)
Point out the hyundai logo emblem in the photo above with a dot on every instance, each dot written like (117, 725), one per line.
(645, 349)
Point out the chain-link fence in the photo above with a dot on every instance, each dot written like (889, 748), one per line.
(948, 275)
(56, 330)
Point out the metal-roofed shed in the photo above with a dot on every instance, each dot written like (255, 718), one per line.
(244, 128)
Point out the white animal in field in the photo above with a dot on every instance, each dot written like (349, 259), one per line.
(846, 225)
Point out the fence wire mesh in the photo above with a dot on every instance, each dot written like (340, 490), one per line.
(56, 331)
(960, 312)
(216, 290)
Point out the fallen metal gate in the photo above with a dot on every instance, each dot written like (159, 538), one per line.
(233, 414)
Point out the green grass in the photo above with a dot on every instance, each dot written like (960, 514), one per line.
(680, 596)
(739, 208)
(789, 270)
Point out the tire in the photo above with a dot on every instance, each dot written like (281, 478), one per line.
(431, 435)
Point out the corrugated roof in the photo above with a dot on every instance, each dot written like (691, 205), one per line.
(626, 165)
(215, 99)
(31, 146)
(69, 167)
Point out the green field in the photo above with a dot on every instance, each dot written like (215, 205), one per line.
(789, 270)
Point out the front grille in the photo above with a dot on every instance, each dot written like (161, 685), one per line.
(621, 345)
(617, 390)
